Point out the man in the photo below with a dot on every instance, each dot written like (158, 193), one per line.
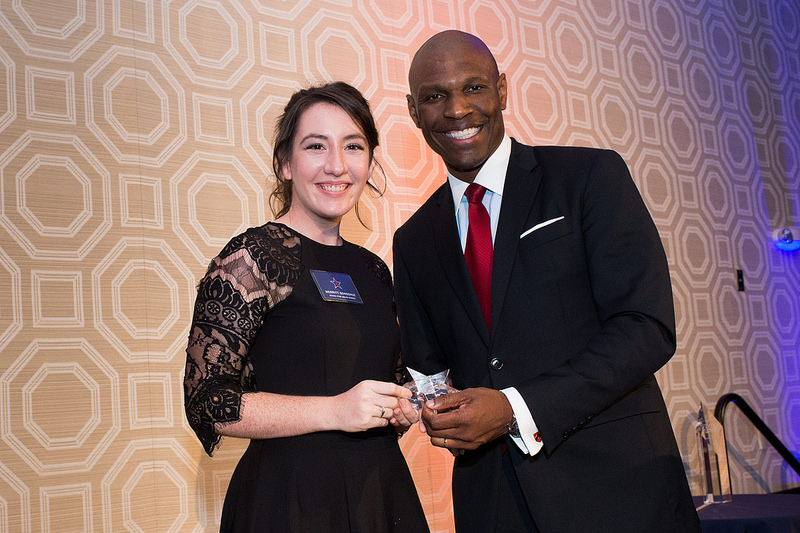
(552, 330)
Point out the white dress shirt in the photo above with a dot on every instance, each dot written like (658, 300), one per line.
(492, 176)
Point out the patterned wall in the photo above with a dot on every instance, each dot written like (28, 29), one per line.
(135, 140)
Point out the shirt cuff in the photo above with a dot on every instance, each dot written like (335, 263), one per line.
(529, 441)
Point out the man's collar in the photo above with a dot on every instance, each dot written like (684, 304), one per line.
(492, 174)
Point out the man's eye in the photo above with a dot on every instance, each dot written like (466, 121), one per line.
(433, 97)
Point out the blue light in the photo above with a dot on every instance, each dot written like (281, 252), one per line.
(790, 246)
(785, 240)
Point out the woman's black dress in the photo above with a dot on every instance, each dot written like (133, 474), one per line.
(261, 323)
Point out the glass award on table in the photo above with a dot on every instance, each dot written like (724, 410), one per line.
(713, 455)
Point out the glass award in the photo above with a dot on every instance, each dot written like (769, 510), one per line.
(713, 455)
(427, 387)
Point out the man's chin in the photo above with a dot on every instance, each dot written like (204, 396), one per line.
(464, 172)
(465, 161)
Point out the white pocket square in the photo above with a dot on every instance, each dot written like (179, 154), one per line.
(540, 226)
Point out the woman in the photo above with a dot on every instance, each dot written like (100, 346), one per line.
(294, 343)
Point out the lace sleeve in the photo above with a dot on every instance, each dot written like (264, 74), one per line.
(401, 375)
(249, 277)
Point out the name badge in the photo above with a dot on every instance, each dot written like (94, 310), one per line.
(336, 287)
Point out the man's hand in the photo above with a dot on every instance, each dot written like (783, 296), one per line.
(467, 419)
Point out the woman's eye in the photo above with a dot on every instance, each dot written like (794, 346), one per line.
(355, 146)
(314, 146)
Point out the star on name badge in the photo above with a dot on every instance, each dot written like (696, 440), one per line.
(336, 287)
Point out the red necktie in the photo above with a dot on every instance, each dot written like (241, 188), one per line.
(478, 251)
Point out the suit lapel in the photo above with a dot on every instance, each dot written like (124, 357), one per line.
(522, 181)
(448, 248)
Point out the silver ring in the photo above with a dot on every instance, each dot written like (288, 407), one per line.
(445, 442)
(382, 410)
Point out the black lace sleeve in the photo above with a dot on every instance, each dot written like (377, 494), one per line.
(401, 375)
(254, 272)
(377, 266)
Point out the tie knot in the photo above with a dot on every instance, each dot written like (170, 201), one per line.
(475, 193)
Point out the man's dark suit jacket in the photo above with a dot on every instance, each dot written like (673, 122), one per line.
(582, 317)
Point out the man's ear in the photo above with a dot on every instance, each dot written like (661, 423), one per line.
(412, 109)
(502, 90)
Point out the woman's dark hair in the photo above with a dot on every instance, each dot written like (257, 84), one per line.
(338, 93)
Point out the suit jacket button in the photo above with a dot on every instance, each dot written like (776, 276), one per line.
(496, 363)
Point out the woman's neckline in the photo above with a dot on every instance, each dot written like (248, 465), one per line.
(306, 237)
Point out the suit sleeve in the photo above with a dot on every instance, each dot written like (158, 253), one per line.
(421, 349)
(629, 287)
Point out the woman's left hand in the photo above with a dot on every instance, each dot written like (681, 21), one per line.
(404, 415)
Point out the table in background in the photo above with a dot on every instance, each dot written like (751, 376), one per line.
(751, 513)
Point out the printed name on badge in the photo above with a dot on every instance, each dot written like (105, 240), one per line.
(336, 287)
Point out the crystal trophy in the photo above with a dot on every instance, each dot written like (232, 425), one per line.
(713, 455)
(427, 387)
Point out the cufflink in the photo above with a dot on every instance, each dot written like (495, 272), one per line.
(513, 428)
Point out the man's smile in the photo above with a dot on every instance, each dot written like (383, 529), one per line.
(463, 134)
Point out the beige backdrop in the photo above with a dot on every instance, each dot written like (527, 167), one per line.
(135, 140)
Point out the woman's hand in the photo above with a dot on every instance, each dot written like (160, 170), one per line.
(405, 415)
(369, 404)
